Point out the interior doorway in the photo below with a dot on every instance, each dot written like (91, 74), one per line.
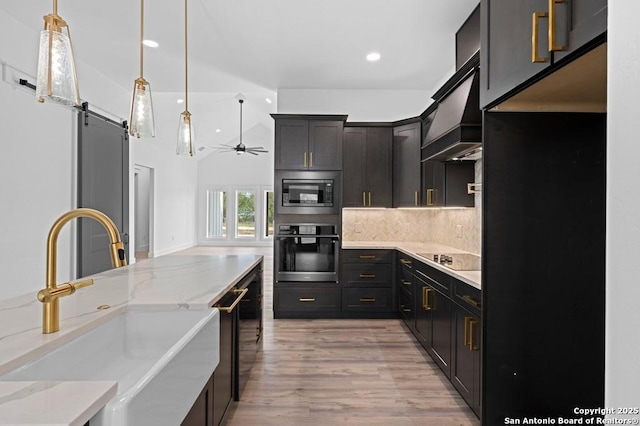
(143, 212)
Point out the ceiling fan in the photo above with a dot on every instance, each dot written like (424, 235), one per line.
(241, 148)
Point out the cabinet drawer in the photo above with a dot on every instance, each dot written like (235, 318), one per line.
(405, 307)
(367, 256)
(467, 296)
(435, 278)
(405, 281)
(308, 298)
(405, 261)
(359, 275)
(367, 299)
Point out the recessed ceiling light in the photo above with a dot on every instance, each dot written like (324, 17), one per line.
(373, 56)
(180, 101)
(150, 43)
(218, 130)
(268, 100)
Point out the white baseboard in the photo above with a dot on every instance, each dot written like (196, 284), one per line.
(170, 250)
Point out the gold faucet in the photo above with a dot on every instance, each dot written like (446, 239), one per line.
(52, 293)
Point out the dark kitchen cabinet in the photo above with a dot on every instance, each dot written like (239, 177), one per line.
(466, 344)
(543, 359)
(201, 413)
(405, 290)
(368, 167)
(308, 142)
(367, 281)
(223, 375)
(407, 139)
(507, 40)
(445, 183)
(306, 300)
(433, 314)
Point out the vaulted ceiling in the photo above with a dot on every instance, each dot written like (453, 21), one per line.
(271, 44)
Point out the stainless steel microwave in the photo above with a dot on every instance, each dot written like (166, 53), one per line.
(308, 192)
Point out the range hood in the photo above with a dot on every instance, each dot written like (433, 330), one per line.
(456, 130)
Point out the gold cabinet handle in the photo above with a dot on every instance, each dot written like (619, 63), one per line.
(310, 159)
(466, 331)
(367, 256)
(405, 282)
(553, 47)
(472, 324)
(364, 200)
(415, 198)
(425, 298)
(429, 195)
(404, 308)
(535, 36)
(304, 160)
(405, 262)
(471, 300)
(367, 275)
(307, 299)
(367, 299)
(240, 293)
(369, 199)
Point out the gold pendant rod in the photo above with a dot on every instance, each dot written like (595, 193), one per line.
(141, 36)
(186, 72)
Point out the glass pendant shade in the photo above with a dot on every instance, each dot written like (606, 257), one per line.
(185, 135)
(141, 120)
(56, 69)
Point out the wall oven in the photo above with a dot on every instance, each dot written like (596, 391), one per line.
(307, 192)
(306, 252)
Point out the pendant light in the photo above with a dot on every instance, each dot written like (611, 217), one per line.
(57, 79)
(141, 121)
(185, 128)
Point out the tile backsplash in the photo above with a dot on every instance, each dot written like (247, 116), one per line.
(455, 227)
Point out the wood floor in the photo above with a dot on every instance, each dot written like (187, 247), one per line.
(341, 372)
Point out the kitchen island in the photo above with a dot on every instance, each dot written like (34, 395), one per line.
(181, 282)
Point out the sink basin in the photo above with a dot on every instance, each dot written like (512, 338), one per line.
(161, 358)
(460, 261)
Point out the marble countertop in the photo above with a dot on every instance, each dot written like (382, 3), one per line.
(191, 281)
(412, 249)
(43, 403)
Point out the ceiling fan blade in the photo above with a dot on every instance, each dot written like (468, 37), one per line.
(251, 152)
(258, 150)
(255, 147)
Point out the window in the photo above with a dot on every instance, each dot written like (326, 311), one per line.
(246, 214)
(268, 215)
(216, 214)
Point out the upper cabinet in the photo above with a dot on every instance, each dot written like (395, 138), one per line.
(306, 142)
(445, 183)
(406, 164)
(522, 39)
(367, 169)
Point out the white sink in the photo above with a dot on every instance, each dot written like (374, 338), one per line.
(161, 358)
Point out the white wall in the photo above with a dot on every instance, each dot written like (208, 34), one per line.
(38, 166)
(229, 171)
(623, 207)
(360, 105)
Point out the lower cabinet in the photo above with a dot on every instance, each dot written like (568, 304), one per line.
(433, 314)
(240, 339)
(306, 300)
(465, 369)
(443, 313)
(405, 289)
(201, 412)
(367, 281)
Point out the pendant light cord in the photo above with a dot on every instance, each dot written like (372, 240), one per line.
(186, 73)
(55, 7)
(141, 35)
